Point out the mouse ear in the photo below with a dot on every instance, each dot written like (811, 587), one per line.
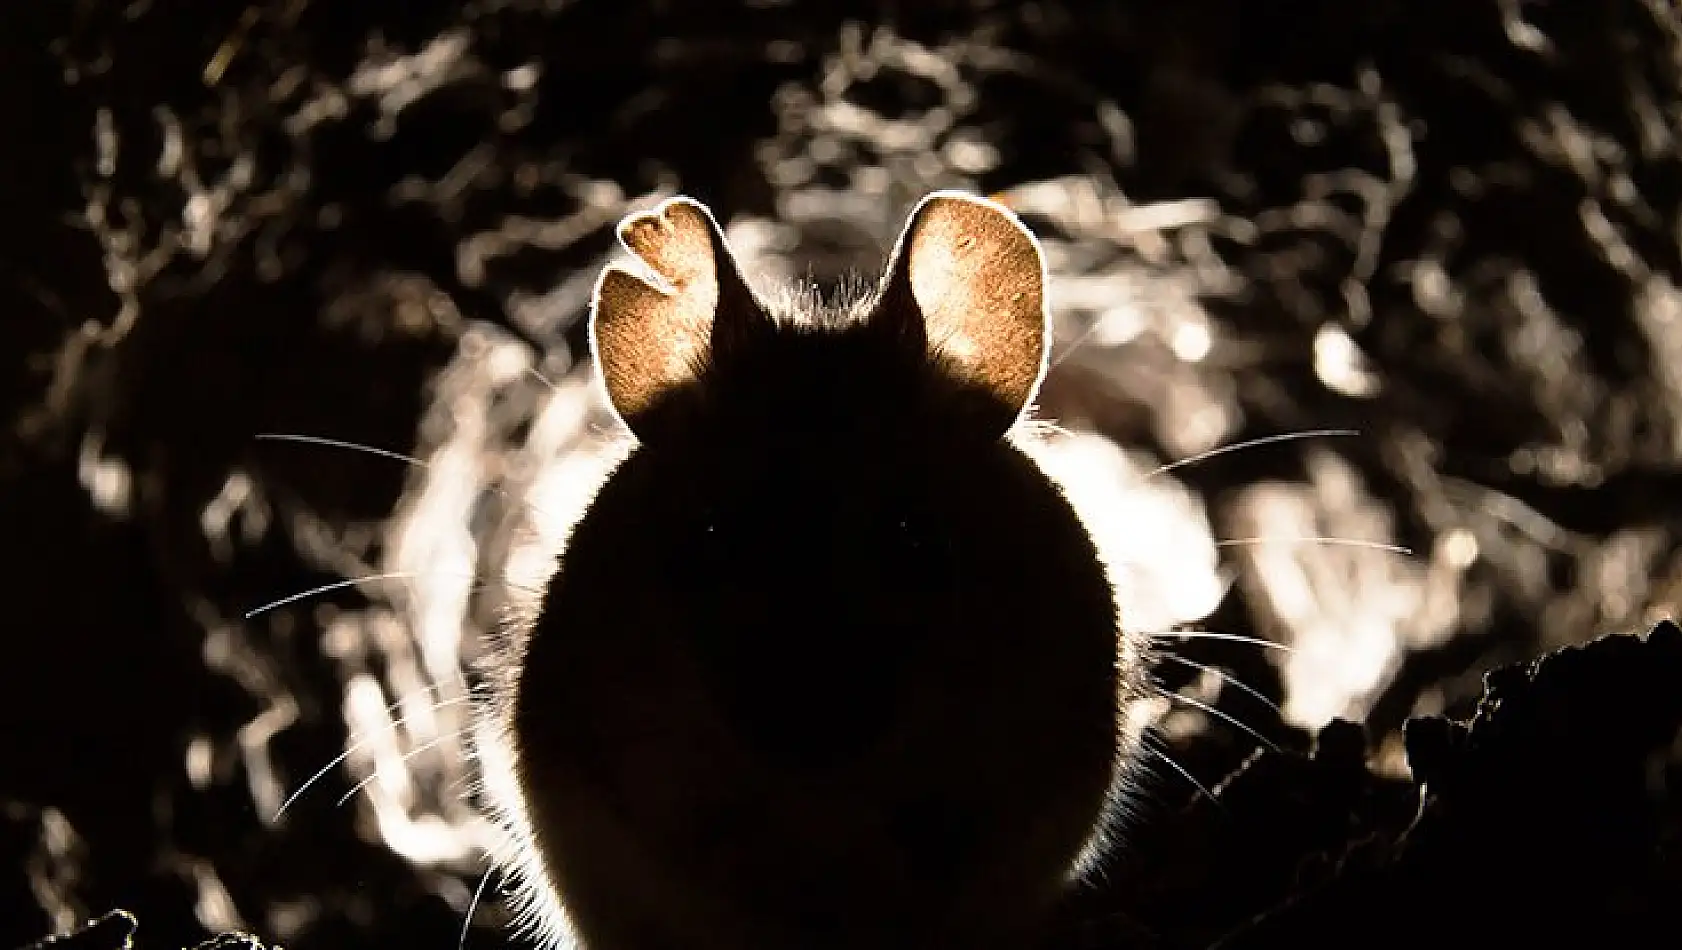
(646, 338)
(967, 280)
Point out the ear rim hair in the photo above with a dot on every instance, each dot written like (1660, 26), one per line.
(649, 317)
(896, 297)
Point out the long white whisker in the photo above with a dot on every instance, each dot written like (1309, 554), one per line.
(340, 444)
(1216, 635)
(1164, 756)
(1076, 343)
(1249, 444)
(356, 745)
(473, 906)
(350, 582)
(1225, 677)
(533, 371)
(393, 575)
(1346, 542)
(387, 454)
(1233, 720)
(417, 750)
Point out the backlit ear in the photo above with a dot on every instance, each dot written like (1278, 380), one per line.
(646, 338)
(972, 275)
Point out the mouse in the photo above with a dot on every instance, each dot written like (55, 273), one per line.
(826, 660)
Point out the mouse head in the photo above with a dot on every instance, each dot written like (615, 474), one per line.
(844, 473)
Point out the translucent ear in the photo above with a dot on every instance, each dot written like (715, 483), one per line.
(647, 338)
(971, 277)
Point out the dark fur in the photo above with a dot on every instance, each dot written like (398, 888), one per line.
(828, 661)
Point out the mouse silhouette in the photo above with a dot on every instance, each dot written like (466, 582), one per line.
(827, 661)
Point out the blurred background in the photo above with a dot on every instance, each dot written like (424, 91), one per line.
(1443, 233)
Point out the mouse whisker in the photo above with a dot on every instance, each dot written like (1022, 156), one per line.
(426, 746)
(1226, 717)
(1330, 541)
(473, 906)
(1218, 635)
(1155, 749)
(385, 454)
(537, 374)
(356, 745)
(352, 582)
(1225, 677)
(1079, 341)
(340, 444)
(1248, 444)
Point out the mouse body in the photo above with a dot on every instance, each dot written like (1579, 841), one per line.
(827, 661)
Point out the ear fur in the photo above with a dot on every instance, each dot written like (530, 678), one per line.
(968, 280)
(647, 338)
